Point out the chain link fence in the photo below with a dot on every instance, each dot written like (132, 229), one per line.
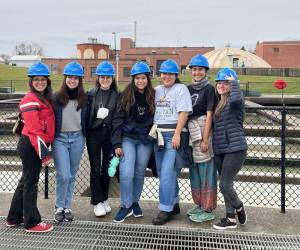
(269, 177)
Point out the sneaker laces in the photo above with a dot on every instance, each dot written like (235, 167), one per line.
(67, 210)
(43, 224)
(59, 210)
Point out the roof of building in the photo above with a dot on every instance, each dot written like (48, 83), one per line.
(25, 58)
(220, 58)
(1, 59)
(280, 42)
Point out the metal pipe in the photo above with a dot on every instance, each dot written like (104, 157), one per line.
(282, 183)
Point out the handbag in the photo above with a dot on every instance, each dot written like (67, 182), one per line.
(18, 127)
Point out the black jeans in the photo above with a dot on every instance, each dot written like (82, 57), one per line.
(228, 166)
(24, 201)
(99, 155)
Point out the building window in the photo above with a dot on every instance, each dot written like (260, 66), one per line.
(93, 71)
(88, 54)
(126, 72)
(102, 54)
(235, 62)
(54, 68)
(275, 49)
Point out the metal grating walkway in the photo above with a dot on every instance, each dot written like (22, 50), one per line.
(96, 235)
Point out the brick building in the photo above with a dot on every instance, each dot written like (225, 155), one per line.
(89, 55)
(280, 54)
(154, 56)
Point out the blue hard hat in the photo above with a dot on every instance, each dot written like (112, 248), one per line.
(38, 69)
(73, 69)
(199, 61)
(140, 68)
(223, 74)
(169, 66)
(105, 69)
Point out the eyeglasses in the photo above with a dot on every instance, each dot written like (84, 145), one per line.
(39, 79)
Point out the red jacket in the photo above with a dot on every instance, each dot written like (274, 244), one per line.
(39, 123)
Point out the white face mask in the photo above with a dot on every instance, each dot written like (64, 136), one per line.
(102, 113)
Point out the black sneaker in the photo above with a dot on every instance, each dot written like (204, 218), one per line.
(137, 211)
(225, 223)
(242, 216)
(162, 218)
(59, 215)
(68, 215)
(176, 209)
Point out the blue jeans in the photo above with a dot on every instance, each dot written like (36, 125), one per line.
(67, 150)
(133, 164)
(167, 173)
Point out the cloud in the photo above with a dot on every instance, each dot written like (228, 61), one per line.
(58, 25)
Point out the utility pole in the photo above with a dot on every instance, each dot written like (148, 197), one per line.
(134, 33)
(115, 44)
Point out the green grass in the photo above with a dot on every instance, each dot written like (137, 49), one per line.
(17, 76)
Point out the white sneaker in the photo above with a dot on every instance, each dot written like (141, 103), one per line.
(99, 209)
(106, 206)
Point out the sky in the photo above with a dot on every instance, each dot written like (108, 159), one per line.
(58, 25)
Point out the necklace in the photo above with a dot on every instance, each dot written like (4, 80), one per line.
(166, 91)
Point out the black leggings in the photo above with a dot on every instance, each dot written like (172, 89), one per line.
(228, 166)
(24, 201)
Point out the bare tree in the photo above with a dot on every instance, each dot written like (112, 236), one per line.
(28, 49)
(5, 58)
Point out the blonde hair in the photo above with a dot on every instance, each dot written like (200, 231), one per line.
(223, 99)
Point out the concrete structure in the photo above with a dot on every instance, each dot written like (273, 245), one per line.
(92, 53)
(234, 58)
(24, 60)
(280, 54)
(260, 219)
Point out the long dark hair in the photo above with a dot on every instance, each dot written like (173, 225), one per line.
(128, 97)
(63, 97)
(113, 85)
(44, 97)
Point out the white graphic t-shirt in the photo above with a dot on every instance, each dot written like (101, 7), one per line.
(170, 101)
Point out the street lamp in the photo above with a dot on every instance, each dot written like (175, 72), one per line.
(115, 43)
(117, 60)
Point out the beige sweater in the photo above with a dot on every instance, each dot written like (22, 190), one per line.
(196, 129)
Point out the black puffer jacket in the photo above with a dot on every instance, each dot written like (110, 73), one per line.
(228, 132)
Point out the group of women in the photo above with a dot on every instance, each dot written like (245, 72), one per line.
(198, 126)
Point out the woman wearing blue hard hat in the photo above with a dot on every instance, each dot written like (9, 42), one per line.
(70, 112)
(131, 124)
(38, 132)
(203, 174)
(172, 106)
(229, 144)
(102, 101)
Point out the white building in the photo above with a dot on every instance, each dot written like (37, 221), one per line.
(2, 61)
(234, 58)
(24, 60)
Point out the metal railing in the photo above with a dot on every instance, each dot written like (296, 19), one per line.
(269, 177)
